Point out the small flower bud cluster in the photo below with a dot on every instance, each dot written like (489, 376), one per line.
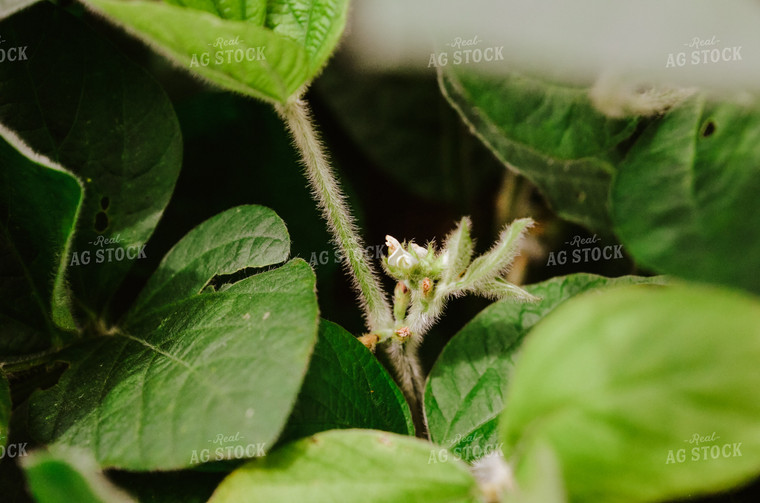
(426, 278)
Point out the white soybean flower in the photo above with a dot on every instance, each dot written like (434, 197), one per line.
(397, 256)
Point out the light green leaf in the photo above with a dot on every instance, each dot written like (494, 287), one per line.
(269, 67)
(547, 132)
(252, 11)
(39, 205)
(347, 387)
(73, 473)
(686, 199)
(634, 376)
(465, 392)
(79, 102)
(5, 409)
(221, 44)
(216, 371)
(315, 24)
(349, 466)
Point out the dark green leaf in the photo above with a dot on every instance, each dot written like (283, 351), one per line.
(79, 102)
(686, 199)
(618, 383)
(244, 237)
(465, 392)
(346, 387)
(547, 132)
(215, 371)
(349, 466)
(39, 205)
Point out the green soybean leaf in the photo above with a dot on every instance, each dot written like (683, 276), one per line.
(79, 102)
(272, 62)
(5, 409)
(346, 387)
(687, 194)
(640, 393)
(466, 390)
(547, 132)
(244, 237)
(69, 472)
(211, 376)
(316, 25)
(348, 466)
(39, 205)
(253, 11)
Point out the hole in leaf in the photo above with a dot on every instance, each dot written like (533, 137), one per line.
(221, 282)
(105, 202)
(708, 129)
(101, 221)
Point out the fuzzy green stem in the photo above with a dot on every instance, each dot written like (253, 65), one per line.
(406, 364)
(331, 200)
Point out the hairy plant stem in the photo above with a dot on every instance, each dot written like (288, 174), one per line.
(331, 201)
(377, 310)
(406, 364)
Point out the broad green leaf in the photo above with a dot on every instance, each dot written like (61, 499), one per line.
(315, 24)
(346, 387)
(466, 389)
(79, 102)
(213, 375)
(252, 11)
(246, 236)
(547, 132)
(619, 383)
(685, 201)
(349, 466)
(39, 205)
(5, 409)
(218, 42)
(73, 473)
